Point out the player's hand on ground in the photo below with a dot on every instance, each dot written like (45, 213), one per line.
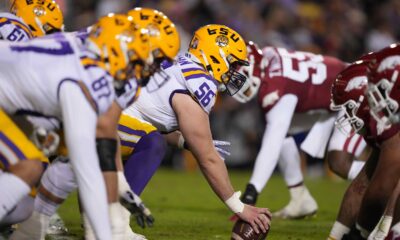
(259, 218)
(136, 207)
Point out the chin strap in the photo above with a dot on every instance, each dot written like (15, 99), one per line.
(208, 66)
(39, 23)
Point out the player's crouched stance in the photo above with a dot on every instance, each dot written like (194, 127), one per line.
(47, 79)
(368, 91)
(59, 180)
(185, 100)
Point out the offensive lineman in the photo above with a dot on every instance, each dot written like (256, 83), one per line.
(182, 97)
(164, 45)
(74, 98)
(21, 25)
(187, 96)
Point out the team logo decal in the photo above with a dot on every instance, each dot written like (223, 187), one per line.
(356, 83)
(39, 11)
(222, 41)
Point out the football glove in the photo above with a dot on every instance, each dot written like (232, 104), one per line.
(136, 207)
(223, 148)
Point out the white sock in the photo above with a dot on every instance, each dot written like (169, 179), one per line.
(34, 228)
(296, 192)
(355, 168)
(289, 162)
(45, 206)
(337, 231)
(13, 189)
(118, 226)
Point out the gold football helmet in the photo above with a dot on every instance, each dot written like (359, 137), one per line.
(42, 16)
(120, 43)
(222, 51)
(164, 37)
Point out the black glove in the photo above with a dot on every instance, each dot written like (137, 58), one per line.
(136, 207)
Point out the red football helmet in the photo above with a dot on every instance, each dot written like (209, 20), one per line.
(384, 96)
(348, 94)
(254, 73)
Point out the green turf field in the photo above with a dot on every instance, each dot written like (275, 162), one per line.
(185, 208)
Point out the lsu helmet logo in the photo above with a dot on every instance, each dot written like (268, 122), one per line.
(222, 41)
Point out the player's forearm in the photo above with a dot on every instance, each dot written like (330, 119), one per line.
(107, 123)
(217, 175)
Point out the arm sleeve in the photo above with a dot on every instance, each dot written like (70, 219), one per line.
(79, 121)
(278, 122)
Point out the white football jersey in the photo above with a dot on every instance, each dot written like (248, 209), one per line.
(31, 73)
(13, 28)
(154, 103)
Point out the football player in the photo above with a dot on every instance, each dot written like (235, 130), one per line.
(52, 96)
(15, 27)
(185, 97)
(163, 45)
(293, 90)
(30, 19)
(366, 198)
(214, 54)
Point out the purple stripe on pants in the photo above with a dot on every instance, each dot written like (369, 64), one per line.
(131, 131)
(12, 146)
(144, 161)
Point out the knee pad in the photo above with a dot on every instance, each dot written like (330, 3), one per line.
(107, 149)
(59, 179)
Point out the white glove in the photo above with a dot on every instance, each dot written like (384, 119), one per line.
(223, 148)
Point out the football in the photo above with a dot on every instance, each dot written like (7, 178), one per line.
(243, 231)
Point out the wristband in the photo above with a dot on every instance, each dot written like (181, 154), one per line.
(182, 143)
(234, 203)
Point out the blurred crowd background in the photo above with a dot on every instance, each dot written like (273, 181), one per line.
(341, 28)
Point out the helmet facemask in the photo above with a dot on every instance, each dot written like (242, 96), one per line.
(233, 80)
(348, 123)
(382, 106)
(253, 82)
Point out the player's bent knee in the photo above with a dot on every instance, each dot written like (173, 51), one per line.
(107, 149)
(58, 180)
(20, 213)
(339, 162)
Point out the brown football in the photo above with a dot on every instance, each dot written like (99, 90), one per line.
(243, 231)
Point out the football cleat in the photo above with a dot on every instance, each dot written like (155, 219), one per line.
(298, 208)
(56, 226)
(250, 195)
(134, 236)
